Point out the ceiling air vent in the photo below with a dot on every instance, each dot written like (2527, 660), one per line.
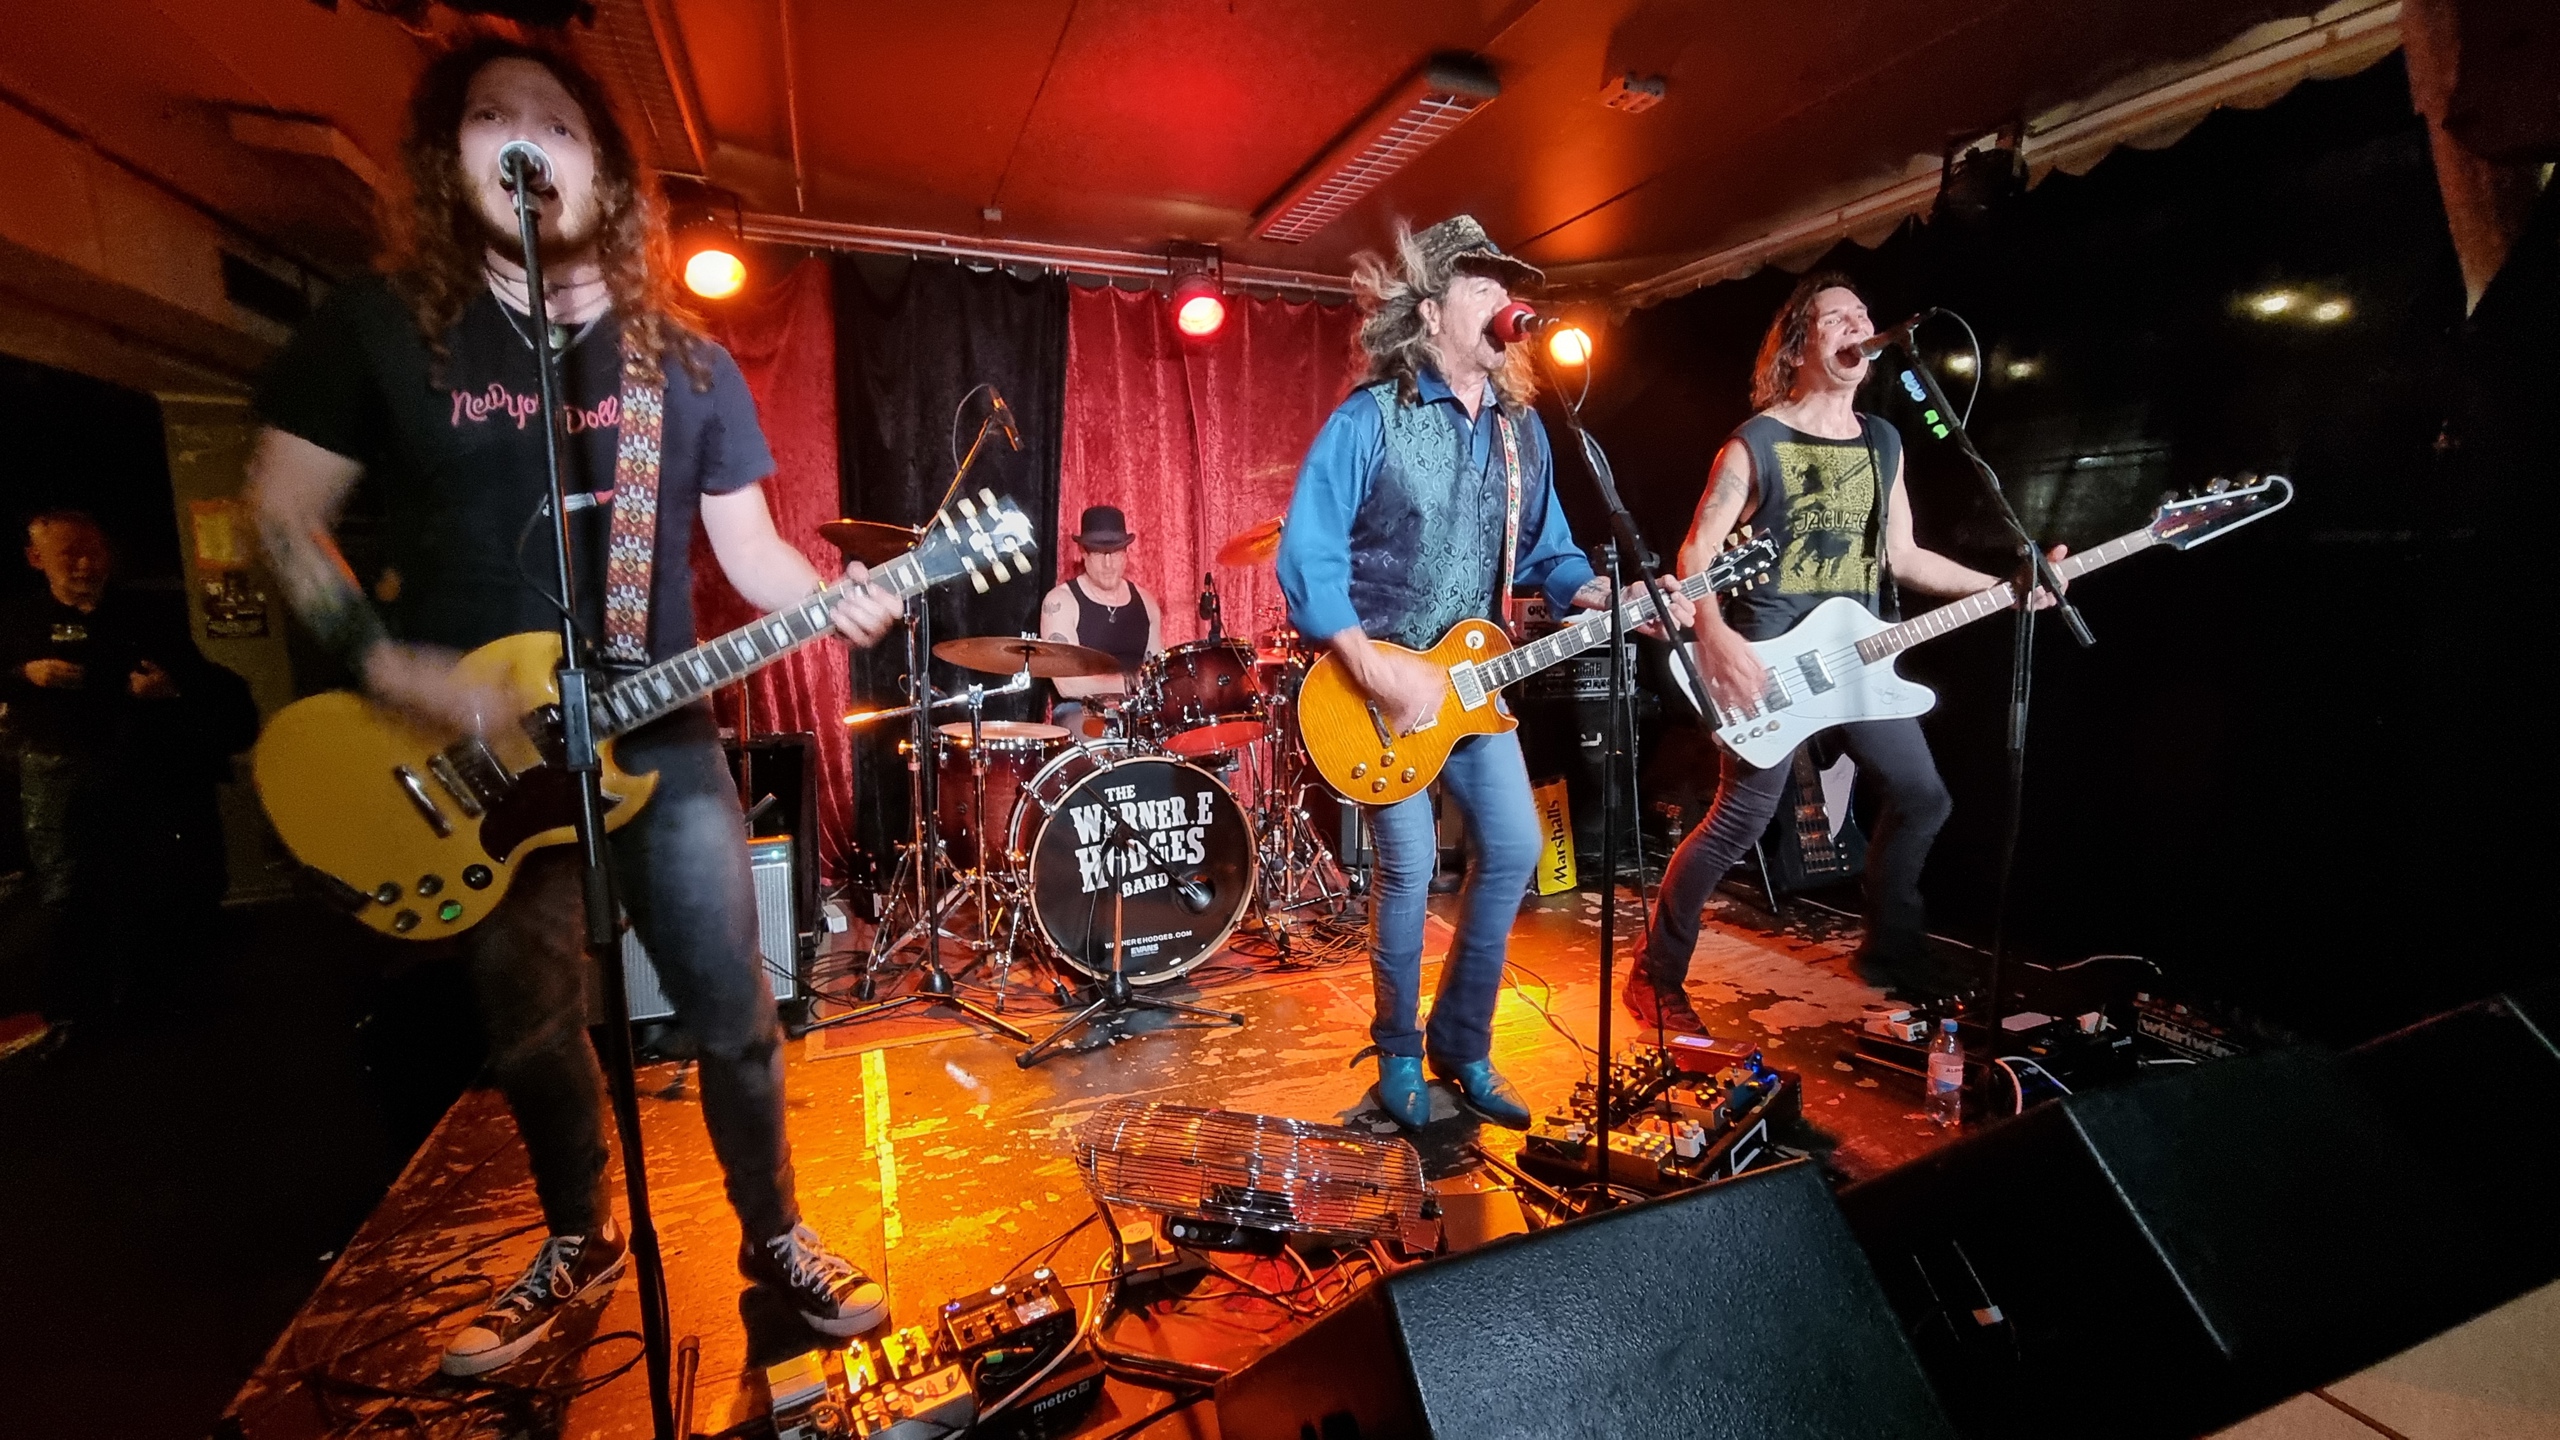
(1412, 118)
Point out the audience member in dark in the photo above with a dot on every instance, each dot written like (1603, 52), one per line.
(121, 729)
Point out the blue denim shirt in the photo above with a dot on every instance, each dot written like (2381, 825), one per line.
(1406, 567)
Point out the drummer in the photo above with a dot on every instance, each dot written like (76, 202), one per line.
(1104, 609)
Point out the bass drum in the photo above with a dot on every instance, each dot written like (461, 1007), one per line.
(1181, 868)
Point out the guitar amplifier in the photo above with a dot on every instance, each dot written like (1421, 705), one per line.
(777, 940)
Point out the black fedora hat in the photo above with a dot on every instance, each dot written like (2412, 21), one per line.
(1103, 528)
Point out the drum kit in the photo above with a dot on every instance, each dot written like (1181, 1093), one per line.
(1123, 853)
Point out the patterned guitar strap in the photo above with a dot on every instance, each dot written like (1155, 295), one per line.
(1511, 517)
(631, 549)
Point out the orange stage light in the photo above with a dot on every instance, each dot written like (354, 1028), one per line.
(1570, 346)
(714, 272)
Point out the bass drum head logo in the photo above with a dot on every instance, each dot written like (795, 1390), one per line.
(1163, 841)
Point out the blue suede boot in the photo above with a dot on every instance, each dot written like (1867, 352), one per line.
(1401, 1092)
(1486, 1092)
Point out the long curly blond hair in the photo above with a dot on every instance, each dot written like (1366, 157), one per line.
(437, 257)
(1394, 345)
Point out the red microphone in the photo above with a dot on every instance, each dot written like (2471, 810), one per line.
(1520, 321)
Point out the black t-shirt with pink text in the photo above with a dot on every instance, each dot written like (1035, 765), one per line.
(458, 456)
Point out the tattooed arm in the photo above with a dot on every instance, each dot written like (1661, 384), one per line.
(1058, 622)
(296, 490)
(1725, 660)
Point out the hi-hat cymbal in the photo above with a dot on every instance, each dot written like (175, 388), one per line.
(1005, 654)
(1253, 544)
(870, 541)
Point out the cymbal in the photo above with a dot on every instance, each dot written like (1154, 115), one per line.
(869, 541)
(1253, 544)
(1005, 654)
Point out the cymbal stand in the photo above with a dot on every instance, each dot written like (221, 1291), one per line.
(991, 884)
(1115, 996)
(935, 988)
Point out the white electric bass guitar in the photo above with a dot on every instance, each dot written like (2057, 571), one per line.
(1836, 666)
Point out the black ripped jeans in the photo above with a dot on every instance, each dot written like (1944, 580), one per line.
(1893, 756)
(680, 870)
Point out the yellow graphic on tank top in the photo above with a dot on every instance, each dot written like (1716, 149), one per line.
(1831, 506)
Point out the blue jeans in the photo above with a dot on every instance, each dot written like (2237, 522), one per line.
(680, 871)
(1490, 786)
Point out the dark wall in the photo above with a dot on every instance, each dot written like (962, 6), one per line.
(68, 440)
(2299, 768)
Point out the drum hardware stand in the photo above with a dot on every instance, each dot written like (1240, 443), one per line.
(525, 170)
(1115, 996)
(935, 988)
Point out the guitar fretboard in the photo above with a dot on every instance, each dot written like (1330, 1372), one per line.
(670, 684)
(1954, 614)
(1591, 629)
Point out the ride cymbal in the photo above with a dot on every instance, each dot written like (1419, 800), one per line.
(1005, 654)
(1253, 544)
(872, 542)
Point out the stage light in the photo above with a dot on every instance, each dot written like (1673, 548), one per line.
(2330, 312)
(2274, 303)
(714, 272)
(2023, 369)
(1957, 364)
(1199, 311)
(1570, 346)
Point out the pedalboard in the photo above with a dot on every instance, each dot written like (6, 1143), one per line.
(1708, 1112)
(897, 1387)
(1028, 1317)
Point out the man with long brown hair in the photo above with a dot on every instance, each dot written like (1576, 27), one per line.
(1396, 532)
(1804, 469)
(426, 379)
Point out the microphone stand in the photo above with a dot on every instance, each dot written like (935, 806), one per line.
(1625, 541)
(1946, 422)
(1114, 996)
(581, 759)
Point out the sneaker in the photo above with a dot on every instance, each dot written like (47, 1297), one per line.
(834, 1297)
(566, 1267)
(1657, 1008)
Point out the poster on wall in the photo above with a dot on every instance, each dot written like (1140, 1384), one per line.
(235, 605)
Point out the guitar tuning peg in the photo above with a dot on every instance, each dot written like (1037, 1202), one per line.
(2217, 485)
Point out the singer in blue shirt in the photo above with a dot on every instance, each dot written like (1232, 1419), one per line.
(1395, 534)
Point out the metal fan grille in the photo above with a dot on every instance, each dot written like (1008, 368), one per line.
(1264, 1171)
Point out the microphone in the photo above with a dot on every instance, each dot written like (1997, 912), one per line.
(1209, 610)
(1899, 337)
(1196, 892)
(523, 162)
(1520, 321)
(1004, 417)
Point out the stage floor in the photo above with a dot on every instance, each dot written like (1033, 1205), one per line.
(929, 1158)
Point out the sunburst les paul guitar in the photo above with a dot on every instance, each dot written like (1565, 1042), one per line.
(418, 831)
(1357, 752)
(1836, 666)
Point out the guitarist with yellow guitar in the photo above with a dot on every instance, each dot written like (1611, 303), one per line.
(1427, 493)
(423, 381)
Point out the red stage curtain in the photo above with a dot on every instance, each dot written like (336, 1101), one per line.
(783, 336)
(1195, 443)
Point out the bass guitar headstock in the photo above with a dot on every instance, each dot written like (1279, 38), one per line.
(1744, 562)
(2224, 505)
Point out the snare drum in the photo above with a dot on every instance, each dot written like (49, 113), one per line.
(1015, 750)
(1201, 698)
(1179, 871)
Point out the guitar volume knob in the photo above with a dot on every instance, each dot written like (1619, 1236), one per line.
(1359, 770)
(1408, 774)
(1378, 785)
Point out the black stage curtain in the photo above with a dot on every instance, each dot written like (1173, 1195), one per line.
(912, 338)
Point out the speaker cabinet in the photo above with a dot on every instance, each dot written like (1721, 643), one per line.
(770, 860)
(1741, 1310)
(2160, 1259)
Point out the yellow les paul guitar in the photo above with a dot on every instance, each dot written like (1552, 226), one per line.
(1352, 745)
(419, 831)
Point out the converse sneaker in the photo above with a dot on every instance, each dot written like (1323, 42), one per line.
(1655, 1007)
(835, 1298)
(566, 1267)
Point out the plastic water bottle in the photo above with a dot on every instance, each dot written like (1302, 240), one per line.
(1946, 1076)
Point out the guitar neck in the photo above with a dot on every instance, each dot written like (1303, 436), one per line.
(1591, 629)
(672, 684)
(1897, 638)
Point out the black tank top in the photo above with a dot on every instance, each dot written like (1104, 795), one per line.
(1818, 499)
(1119, 631)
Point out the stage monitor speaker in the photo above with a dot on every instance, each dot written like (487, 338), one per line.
(784, 771)
(2476, 1094)
(1741, 1310)
(770, 860)
(2159, 1259)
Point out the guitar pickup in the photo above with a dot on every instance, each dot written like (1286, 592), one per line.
(1817, 676)
(1469, 683)
(450, 780)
